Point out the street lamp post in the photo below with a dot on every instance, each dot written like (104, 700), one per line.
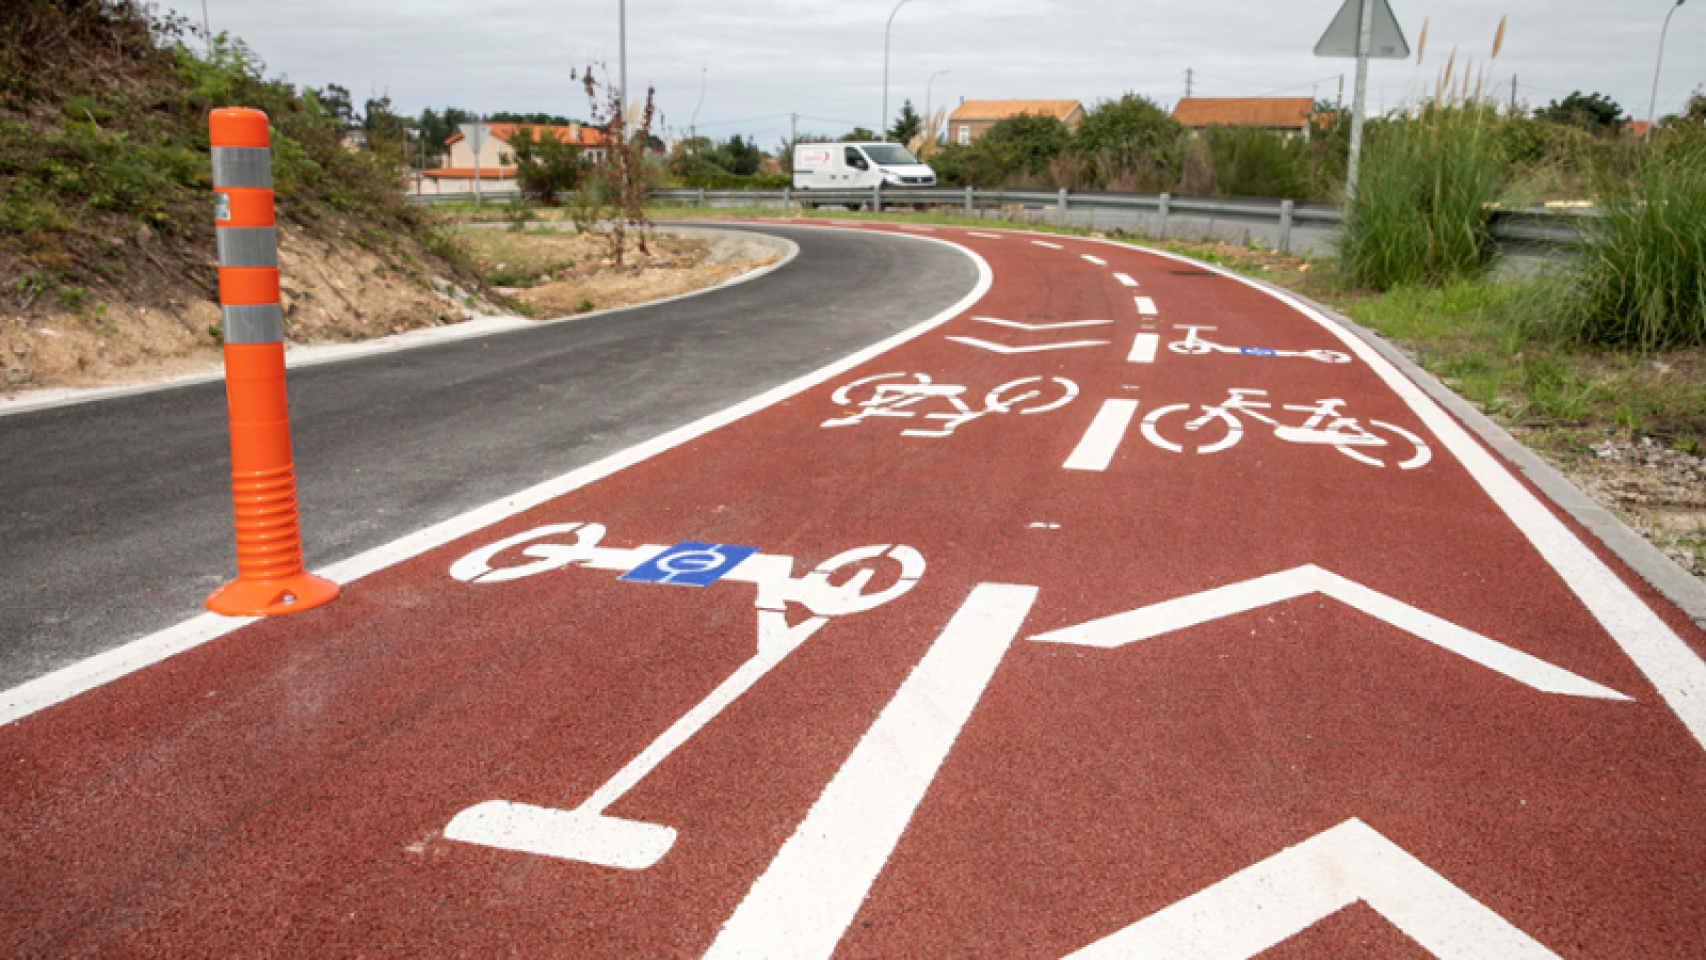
(882, 128)
(1653, 104)
(927, 84)
(622, 57)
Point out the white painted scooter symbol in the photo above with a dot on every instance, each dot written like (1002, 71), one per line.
(587, 833)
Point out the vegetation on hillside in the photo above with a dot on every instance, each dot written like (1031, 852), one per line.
(104, 158)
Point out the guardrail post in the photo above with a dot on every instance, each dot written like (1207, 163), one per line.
(1166, 209)
(270, 578)
(971, 200)
(701, 196)
(1060, 208)
(787, 198)
(877, 197)
(1285, 227)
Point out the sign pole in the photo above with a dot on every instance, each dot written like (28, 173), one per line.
(1360, 102)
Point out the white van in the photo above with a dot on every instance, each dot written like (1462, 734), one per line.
(857, 166)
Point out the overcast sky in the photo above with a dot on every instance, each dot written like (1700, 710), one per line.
(761, 59)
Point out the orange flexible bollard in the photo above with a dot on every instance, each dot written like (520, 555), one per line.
(270, 578)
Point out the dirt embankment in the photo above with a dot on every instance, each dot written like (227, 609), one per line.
(332, 290)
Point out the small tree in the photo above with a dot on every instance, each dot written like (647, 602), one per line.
(627, 170)
(547, 164)
(1595, 113)
(860, 134)
(907, 124)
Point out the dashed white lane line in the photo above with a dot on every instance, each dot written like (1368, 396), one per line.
(908, 226)
(1098, 261)
(1145, 305)
(1096, 450)
(1045, 243)
(1125, 280)
(1144, 347)
(986, 236)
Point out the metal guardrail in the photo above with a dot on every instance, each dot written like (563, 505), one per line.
(1526, 226)
(1512, 226)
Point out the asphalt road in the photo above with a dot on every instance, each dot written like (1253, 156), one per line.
(115, 514)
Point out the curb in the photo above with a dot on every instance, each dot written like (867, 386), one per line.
(310, 355)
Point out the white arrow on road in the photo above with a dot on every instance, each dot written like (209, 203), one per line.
(1199, 608)
(1021, 325)
(999, 348)
(1260, 906)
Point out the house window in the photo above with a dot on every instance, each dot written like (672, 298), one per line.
(965, 136)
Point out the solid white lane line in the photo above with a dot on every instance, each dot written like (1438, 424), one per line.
(1143, 348)
(1045, 243)
(68, 682)
(1098, 261)
(1145, 305)
(804, 902)
(1125, 280)
(1096, 450)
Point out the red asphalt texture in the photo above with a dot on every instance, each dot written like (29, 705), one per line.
(282, 790)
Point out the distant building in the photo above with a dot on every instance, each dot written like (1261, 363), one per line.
(497, 161)
(973, 118)
(1636, 129)
(1287, 115)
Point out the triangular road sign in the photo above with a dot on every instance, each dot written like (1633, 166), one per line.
(1260, 906)
(1385, 41)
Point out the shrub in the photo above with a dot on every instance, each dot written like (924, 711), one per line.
(1255, 162)
(1641, 277)
(547, 165)
(1424, 200)
(1131, 143)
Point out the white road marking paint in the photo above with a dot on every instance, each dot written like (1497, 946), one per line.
(1063, 325)
(1199, 608)
(67, 682)
(1096, 450)
(1045, 526)
(1098, 261)
(1143, 348)
(1045, 243)
(910, 400)
(1674, 670)
(1037, 348)
(803, 903)
(1145, 306)
(1260, 906)
(986, 236)
(1125, 280)
(908, 226)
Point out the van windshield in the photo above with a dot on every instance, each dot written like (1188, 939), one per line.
(889, 153)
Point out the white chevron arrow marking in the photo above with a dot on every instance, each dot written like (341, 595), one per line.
(1021, 325)
(1177, 614)
(1260, 906)
(1038, 348)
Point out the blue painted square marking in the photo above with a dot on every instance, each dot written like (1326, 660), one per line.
(1256, 351)
(690, 564)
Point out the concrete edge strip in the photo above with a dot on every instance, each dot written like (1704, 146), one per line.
(67, 682)
(424, 337)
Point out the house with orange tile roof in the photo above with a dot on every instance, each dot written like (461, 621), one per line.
(973, 118)
(497, 160)
(1287, 115)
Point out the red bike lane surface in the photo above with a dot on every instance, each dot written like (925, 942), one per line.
(286, 789)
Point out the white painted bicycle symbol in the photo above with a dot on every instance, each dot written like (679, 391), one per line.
(1325, 425)
(872, 398)
(1195, 346)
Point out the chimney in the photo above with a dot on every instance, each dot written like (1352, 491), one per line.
(575, 131)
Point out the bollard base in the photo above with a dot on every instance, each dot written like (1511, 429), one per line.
(267, 598)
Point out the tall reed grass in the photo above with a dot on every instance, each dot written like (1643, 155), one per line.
(1640, 280)
(1424, 199)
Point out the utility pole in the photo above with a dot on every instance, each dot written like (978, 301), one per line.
(1513, 94)
(206, 29)
(622, 58)
(1364, 34)
(1188, 78)
(883, 128)
(1341, 101)
(793, 132)
(1653, 105)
